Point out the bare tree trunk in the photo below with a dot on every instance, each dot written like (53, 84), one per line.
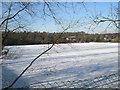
(0, 42)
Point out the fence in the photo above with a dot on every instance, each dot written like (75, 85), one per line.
(106, 81)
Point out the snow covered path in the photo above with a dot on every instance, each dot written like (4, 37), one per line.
(63, 62)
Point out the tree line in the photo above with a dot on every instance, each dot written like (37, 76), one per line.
(25, 38)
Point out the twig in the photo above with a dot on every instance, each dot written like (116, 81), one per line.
(29, 66)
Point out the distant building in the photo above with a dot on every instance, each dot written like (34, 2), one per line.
(73, 38)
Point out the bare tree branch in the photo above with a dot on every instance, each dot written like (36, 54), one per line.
(108, 20)
(29, 66)
(14, 14)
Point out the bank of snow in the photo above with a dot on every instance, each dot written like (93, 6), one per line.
(63, 62)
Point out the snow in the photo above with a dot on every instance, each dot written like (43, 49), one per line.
(77, 61)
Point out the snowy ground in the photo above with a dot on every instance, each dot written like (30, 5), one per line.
(63, 62)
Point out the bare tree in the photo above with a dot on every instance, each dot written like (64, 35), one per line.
(9, 17)
(112, 18)
(48, 10)
(14, 18)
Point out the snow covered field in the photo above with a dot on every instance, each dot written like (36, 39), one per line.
(63, 62)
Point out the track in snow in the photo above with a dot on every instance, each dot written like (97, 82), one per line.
(64, 62)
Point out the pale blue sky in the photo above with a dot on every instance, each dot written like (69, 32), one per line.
(69, 15)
